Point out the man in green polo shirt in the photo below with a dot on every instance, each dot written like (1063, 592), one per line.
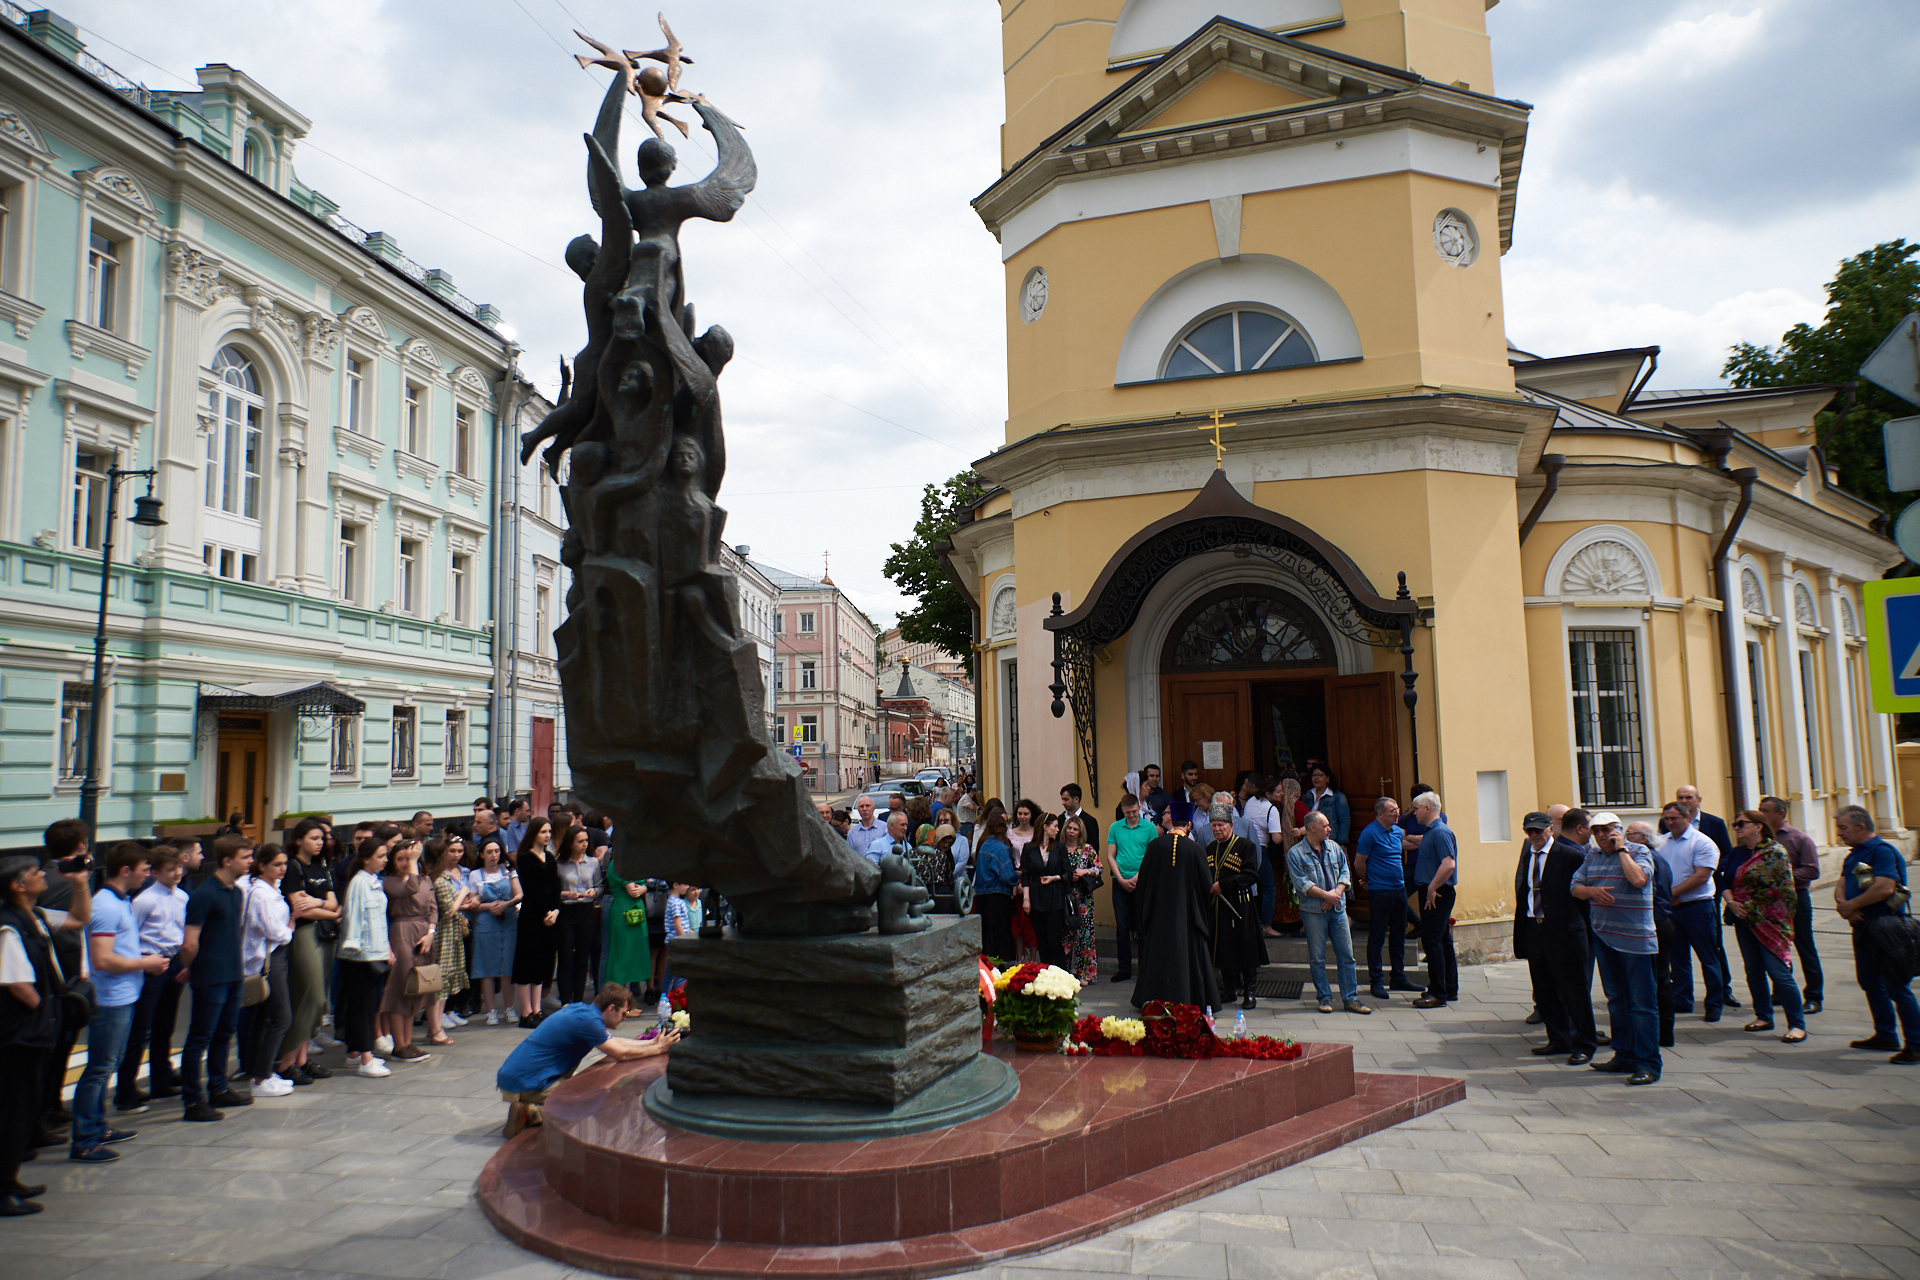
(1127, 842)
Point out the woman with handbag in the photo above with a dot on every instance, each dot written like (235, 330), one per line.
(580, 886)
(365, 956)
(413, 980)
(444, 855)
(496, 917)
(1043, 866)
(1083, 871)
(537, 941)
(629, 956)
(308, 889)
(266, 1005)
(1760, 906)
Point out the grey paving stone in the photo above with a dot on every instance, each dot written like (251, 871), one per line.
(500, 1261)
(1500, 1240)
(1471, 1186)
(1444, 1268)
(1830, 1228)
(400, 1259)
(400, 1221)
(1411, 1208)
(1219, 1227)
(1902, 1262)
(1376, 1237)
(1109, 1255)
(1618, 1250)
(1249, 1262)
(1795, 1258)
(147, 1269)
(1206, 1260)
(1690, 1220)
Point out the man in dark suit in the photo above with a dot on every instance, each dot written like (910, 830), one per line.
(1550, 934)
(1714, 829)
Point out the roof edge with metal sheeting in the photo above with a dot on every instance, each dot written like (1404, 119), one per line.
(306, 696)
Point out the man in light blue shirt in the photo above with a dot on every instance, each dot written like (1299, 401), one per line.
(1692, 859)
(113, 952)
(1377, 848)
(1616, 880)
(515, 829)
(1435, 875)
(1318, 868)
(867, 832)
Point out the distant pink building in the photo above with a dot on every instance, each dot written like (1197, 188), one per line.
(823, 680)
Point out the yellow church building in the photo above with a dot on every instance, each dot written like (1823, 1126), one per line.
(1276, 487)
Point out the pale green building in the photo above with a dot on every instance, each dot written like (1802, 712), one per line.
(311, 630)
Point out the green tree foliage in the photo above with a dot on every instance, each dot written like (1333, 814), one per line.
(941, 614)
(1871, 293)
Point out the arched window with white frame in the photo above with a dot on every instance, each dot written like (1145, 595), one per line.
(236, 450)
(1242, 338)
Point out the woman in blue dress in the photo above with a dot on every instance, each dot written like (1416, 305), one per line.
(495, 924)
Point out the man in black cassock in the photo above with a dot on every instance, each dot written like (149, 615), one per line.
(1173, 904)
(1238, 948)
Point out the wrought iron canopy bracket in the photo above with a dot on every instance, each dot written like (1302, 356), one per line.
(1073, 682)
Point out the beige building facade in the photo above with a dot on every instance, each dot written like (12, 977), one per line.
(1415, 553)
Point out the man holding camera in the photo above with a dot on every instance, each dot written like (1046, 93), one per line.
(1616, 882)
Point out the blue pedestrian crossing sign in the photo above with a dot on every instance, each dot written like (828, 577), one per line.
(1893, 643)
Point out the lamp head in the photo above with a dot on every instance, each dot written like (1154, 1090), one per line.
(146, 516)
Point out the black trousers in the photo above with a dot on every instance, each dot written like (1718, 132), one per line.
(1436, 939)
(54, 1076)
(152, 1031)
(1386, 927)
(1049, 927)
(579, 936)
(996, 925)
(1669, 939)
(356, 1001)
(1562, 973)
(267, 1022)
(1813, 980)
(20, 1072)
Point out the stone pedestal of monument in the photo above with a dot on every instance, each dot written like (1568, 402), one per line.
(824, 1039)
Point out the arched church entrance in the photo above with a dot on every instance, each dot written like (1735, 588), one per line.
(1264, 666)
(1250, 679)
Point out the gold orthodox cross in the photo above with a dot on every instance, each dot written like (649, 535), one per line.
(1219, 450)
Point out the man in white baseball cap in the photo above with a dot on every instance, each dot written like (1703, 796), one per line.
(1616, 880)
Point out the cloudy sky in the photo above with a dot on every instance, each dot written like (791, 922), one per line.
(1694, 170)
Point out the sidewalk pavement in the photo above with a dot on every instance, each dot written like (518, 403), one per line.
(1750, 1157)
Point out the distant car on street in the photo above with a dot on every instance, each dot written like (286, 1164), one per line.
(906, 787)
(931, 778)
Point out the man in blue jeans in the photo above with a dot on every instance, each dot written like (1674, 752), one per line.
(1318, 868)
(1692, 859)
(1616, 881)
(1872, 884)
(119, 972)
(210, 960)
(1377, 859)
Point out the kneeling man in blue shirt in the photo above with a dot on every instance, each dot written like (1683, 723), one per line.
(554, 1050)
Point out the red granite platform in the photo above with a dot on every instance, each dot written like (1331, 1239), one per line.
(1090, 1144)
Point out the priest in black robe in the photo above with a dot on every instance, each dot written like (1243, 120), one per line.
(1173, 904)
(1238, 948)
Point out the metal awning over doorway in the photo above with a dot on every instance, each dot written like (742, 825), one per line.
(1218, 519)
(308, 697)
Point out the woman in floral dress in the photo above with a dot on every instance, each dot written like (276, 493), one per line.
(1083, 871)
(443, 858)
(1760, 903)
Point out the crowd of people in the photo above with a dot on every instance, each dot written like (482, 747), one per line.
(324, 940)
(1593, 894)
(379, 940)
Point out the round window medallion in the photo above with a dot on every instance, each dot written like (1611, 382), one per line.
(1033, 295)
(1455, 238)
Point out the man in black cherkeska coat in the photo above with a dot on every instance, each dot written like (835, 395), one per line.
(1238, 948)
(1173, 906)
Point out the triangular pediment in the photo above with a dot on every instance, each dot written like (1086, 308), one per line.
(1231, 88)
(1222, 92)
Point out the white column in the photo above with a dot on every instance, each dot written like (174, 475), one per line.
(1841, 748)
(1795, 769)
(180, 445)
(286, 509)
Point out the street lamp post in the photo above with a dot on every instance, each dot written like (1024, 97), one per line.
(146, 514)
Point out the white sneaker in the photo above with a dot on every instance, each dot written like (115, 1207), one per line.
(375, 1067)
(272, 1087)
(493, 1017)
(453, 1019)
(383, 1045)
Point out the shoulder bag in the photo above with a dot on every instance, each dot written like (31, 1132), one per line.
(254, 989)
(423, 980)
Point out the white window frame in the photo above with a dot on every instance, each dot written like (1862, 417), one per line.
(456, 742)
(105, 298)
(460, 586)
(70, 747)
(808, 622)
(350, 562)
(1629, 622)
(409, 597)
(357, 392)
(91, 492)
(542, 619)
(465, 437)
(416, 418)
(809, 674)
(344, 736)
(403, 764)
(809, 728)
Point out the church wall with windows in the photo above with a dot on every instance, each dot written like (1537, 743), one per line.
(163, 305)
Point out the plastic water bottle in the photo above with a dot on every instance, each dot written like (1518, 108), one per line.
(1240, 1026)
(666, 1012)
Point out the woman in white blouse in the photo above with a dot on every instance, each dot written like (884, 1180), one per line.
(268, 928)
(365, 954)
